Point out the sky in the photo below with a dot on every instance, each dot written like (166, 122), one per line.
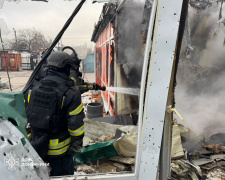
(50, 17)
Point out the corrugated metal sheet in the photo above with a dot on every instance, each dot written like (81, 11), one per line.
(13, 61)
(89, 63)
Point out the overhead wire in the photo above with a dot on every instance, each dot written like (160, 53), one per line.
(4, 57)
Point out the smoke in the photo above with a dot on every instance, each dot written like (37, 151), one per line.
(200, 91)
(130, 54)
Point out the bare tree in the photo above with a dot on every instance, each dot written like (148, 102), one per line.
(30, 40)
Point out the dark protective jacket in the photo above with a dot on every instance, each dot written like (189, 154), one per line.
(79, 82)
(74, 75)
(62, 122)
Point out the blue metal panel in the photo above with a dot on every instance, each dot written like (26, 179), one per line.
(89, 63)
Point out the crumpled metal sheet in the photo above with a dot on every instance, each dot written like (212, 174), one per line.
(15, 151)
(12, 107)
(96, 151)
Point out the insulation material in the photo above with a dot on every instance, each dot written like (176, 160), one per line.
(126, 145)
(177, 149)
(95, 130)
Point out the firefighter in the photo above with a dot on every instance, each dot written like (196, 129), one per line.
(55, 114)
(75, 75)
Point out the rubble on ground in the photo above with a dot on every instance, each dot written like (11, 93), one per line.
(204, 161)
(107, 148)
(104, 166)
(216, 148)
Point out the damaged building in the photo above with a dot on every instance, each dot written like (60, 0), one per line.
(119, 55)
(182, 57)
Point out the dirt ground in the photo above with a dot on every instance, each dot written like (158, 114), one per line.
(19, 79)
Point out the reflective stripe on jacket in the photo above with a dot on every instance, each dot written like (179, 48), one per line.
(58, 148)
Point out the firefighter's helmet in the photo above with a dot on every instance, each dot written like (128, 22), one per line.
(75, 58)
(59, 59)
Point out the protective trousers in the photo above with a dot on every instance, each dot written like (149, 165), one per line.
(61, 165)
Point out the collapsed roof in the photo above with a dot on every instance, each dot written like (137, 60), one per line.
(108, 11)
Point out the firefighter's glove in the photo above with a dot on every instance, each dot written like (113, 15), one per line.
(75, 147)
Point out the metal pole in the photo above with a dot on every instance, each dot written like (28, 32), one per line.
(165, 160)
(31, 62)
(15, 37)
(165, 153)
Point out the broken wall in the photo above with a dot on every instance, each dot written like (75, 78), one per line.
(130, 52)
